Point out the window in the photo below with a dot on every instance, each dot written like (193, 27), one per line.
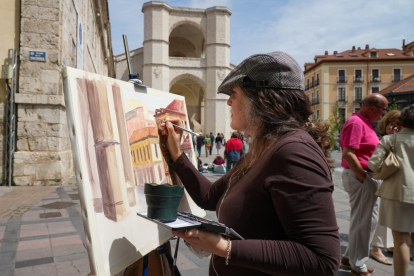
(140, 153)
(396, 74)
(313, 82)
(353, 55)
(342, 112)
(317, 96)
(317, 79)
(375, 75)
(374, 89)
(373, 54)
(307, 86)
(148, 151)
(358, 94)
(358, 75)
(341, 94)
(341, 76)
(317, 114)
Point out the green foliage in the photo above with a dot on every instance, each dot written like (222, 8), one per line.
(335, 123)
(394, 105)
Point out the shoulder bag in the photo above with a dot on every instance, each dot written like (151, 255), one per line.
(390, 165)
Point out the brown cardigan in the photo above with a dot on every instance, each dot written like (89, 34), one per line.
(283, 207)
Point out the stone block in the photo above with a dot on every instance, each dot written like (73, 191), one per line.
(48, 13)
(22, 155)
(49, 171)
(30, 25)
(22, 180)
(29, 11)
(49, 114)
(44, 3)
(53, 56)
(25, 98)
(29, 170)
(22, 144)
(55, 130)
(50, 89)
(18, 170)
(35, 129)
(31, 40)
(50, 76)
(41, 99)
(37, 144)
(27, 113)
(29, 85)
(56, 100)
(28, 68)
(49, 41)
(54, 143)
(28, 2)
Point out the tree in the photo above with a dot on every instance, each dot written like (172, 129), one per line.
(394, 105)
(335, 123)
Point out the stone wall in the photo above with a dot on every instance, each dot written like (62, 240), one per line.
(43, 154)
(2, 139)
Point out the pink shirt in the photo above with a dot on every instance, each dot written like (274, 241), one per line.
(358, 133)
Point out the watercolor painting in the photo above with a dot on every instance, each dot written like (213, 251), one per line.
(115, 139)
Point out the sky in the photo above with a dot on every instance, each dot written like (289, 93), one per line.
(301, 28)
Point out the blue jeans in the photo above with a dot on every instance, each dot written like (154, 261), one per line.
(199, 151)
(230, 164)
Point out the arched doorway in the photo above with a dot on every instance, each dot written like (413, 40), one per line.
(193, 89)
(186, 40)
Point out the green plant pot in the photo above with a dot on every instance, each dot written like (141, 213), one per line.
(163, 201)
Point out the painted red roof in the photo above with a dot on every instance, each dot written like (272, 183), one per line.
(187, 143)
(177, 106)
(142, 133)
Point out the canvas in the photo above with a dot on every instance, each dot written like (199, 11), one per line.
(114, 132)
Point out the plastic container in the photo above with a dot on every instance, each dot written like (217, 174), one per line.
(163, 201)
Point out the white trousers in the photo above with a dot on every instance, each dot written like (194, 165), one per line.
(364, 217)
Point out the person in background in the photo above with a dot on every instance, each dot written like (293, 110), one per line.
(397, 191)
(218, 165)
(200, 143)
(358, 141)
(233, 150)
(212, 142)
(279, 196)
(207, 144)
(193, 138)
(389, 124)
(219, 143)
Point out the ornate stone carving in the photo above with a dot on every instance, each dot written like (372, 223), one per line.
(157, 72)
(221, 74)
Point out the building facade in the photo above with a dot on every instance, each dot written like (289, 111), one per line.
(49, 35)
(341, 80)
(400, 94)
(186, 52)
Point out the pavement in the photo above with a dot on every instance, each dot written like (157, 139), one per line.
(41, 232)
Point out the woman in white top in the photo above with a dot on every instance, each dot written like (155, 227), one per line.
(397, 191)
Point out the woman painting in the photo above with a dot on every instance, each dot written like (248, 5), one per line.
(279, 195)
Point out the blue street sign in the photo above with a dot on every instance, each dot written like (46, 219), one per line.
(37, 56)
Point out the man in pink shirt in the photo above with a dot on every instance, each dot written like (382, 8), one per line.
(358, 142)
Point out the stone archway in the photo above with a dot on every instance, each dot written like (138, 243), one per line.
(193, 89)
(186, 40)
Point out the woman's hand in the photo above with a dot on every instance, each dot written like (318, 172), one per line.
(174, 138)
(207, 241)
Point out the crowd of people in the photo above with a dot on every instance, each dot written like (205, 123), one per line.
(278, 194)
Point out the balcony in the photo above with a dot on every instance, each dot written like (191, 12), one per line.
(342, 79)
(358, 100)
(396, 78)
(315, 101)
(186, 62)
(317, 82)
(342, 99)
(307, 87)
(358, 79)
(312, 84)
(375, 78)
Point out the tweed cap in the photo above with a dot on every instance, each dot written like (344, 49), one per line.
(276, 70)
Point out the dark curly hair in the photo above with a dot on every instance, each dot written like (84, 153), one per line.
(407, 116)
(278, 113)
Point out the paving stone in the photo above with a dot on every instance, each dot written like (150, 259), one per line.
(68, 250)
(35, 244)
(58, 230)
(35, 253)
(58, 205)
(34, 238)
(66, 240)
(38, 270)
(33, 262)
(71, 257)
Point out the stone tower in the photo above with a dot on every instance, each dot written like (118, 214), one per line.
(187, 51)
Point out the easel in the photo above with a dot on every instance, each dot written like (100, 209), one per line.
(158, 262)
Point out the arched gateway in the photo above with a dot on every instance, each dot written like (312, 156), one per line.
(187, 52)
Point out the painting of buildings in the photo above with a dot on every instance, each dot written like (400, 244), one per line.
(116, 149)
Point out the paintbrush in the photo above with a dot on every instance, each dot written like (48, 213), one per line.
(184, 129)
